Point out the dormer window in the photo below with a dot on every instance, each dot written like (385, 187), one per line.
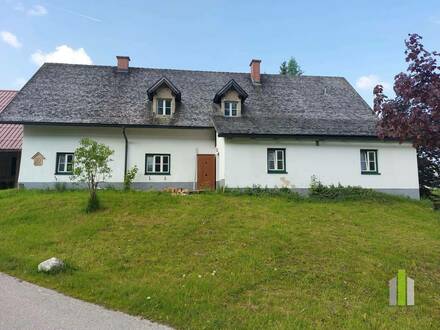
(164, 107)
(230, 98)
(164, 97)
(231, 109)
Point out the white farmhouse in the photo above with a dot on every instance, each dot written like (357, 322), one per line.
(197, 129)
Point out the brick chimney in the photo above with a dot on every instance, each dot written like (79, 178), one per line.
(255, 71)
(122, 63)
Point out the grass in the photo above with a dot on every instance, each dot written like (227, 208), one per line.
(215, 261)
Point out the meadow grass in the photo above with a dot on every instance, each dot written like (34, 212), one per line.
(214, 261)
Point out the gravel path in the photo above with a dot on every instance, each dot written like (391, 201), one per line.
(26, 306)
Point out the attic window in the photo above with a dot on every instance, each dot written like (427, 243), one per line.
(164, 107)
(230, 109)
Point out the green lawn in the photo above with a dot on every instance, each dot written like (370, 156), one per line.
(224, 261)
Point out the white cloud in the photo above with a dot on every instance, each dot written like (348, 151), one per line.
(62, 54)
(370, 81)
(10, 39)
(37, 10)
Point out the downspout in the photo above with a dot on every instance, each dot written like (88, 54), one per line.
(126, 151)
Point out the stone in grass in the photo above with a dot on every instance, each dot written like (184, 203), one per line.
(51, 265)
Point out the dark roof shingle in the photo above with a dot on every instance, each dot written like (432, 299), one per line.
(98, 95)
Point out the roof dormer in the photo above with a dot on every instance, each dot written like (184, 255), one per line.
(164, 96)
(231, 98)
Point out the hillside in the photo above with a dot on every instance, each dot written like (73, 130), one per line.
(226, 261)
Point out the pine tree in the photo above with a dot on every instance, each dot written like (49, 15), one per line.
(283, 68)
(291, 67)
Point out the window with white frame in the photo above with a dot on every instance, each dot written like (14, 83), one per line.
(164, 107)
(64, 163)
(156, 164)
(231, 109)
(276, 160)
(369, 162)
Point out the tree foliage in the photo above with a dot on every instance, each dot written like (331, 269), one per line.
(414, 114)
(91, 166)
(291, 67)
(129, 177)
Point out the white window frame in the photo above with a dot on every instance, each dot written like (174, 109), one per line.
(369, 158)
(162, 108)
(229, 108)
(158, 159)
(64, 156)
(276, 154)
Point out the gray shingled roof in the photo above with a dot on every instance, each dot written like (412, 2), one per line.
(98, 95)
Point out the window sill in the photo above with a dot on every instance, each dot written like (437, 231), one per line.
(276, 172)
(370, 173)
(64, 173)
(157, 173)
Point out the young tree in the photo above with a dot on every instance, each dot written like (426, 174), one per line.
(414, 114)
(291, 68)
(91, 166)
(283, 68)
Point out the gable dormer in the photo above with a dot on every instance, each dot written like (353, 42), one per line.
(164, 95)
(231, 98)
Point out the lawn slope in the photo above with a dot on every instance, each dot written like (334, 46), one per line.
(223, 261)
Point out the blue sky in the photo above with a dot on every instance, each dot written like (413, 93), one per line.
(360, 40)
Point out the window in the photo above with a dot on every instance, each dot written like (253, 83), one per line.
(230, 109)
(157, 164)
(64, 163)
(369, 162)
(276, 160)
(164, 107)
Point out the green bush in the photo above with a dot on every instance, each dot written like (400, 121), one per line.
(320, 191)
(129, 177)
(257, 190)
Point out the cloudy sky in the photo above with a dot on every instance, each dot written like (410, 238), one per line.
(360, 40)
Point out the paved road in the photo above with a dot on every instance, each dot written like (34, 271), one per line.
(27, 306)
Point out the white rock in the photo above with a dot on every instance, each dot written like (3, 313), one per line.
(51, 264)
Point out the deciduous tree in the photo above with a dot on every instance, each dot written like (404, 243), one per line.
(414, 114)
(90, 163)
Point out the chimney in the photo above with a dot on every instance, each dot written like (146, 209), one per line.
(255, 71)
(122, 63)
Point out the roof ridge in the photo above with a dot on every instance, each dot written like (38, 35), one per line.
(192, 70)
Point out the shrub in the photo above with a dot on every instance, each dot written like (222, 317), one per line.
(129, 177)
(257, 190)
(322, 192)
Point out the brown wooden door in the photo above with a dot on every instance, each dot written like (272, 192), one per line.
(205, 172)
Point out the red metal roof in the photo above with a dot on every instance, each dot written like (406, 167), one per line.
(11, 136)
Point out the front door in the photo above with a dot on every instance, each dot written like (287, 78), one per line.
(205, 172)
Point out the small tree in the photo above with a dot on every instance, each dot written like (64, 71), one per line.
(91, 166)
(291, 68)
(129, 177)
(283, 68)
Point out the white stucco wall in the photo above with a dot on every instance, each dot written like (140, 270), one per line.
(241, 162)
(182, 144)
(332, 162)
